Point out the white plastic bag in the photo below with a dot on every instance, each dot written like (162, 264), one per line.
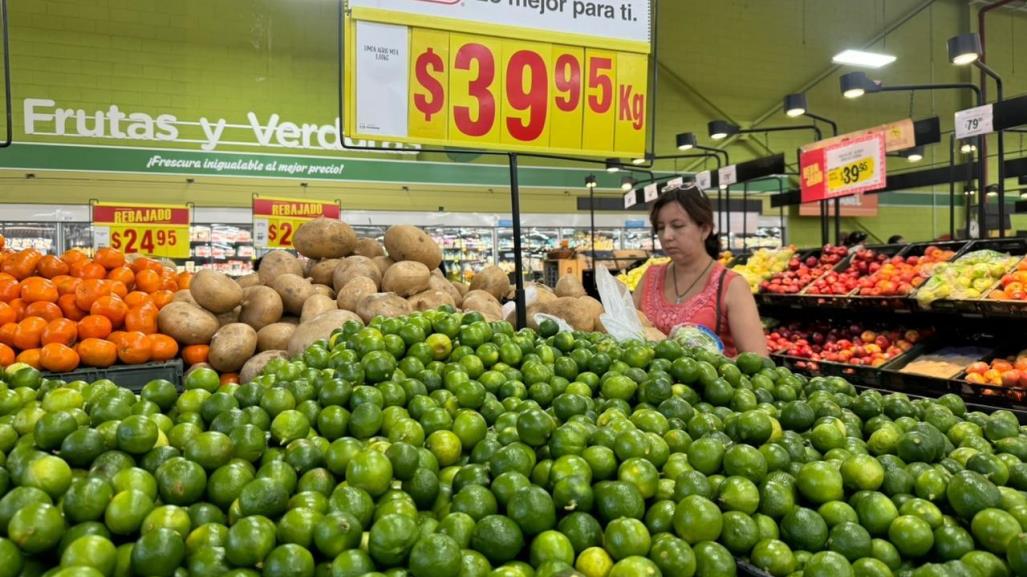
(564, 327)
(620, 319)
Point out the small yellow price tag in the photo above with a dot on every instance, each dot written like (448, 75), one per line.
(855, 173)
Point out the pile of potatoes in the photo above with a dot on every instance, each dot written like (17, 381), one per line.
(291, 302)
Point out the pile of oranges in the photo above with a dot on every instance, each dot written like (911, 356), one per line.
(59, 313)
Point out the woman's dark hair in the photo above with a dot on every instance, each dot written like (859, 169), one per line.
(896, 239)
(855, 237)
(695, 202)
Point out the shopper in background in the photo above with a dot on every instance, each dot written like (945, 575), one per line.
(897, 239)
(856, 237)
(694, 288)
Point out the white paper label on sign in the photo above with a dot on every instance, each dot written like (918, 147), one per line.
(383, 54)
(652, 192)
(728, 175)
(101, 236)
(630, 199)
(260, 232)
(975, 121)
(856, 166)
(623, 20)
(703, 179)
(673, 183)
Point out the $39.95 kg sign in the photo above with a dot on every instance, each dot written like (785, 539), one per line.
(844, 168)
(276, 220)
(149, 229)
(415, 73)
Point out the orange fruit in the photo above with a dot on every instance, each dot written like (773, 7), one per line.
(6, 355)
(91, 270)
(50, 266)
(88, 291)
(112, 307)
(122, 274)
(148, 281)
(142, 318)
(109, 258)
(7, 332)
(74, 256)
(136, 298)
(162, 347)
(22, 264)
(162, 297)
(97, 352)
(135, 348)
(7, 314)
(29, 332)
(18, 306)
(228, 378)
(10, 289)
(195, 354)
(65, 284)
(45, 310)
(37, 288)
(69, 309)
(62, 331)
(184, 280)
(58, 358)
(30, 357)
(94, 326)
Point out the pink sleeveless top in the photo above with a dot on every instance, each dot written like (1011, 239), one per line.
(700, 309)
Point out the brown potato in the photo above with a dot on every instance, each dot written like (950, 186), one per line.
(462, 287)
(275, 336)
(324, 238)
(321, 272)
(492, 280)
(215, 291)
(252, 279)
(353, 267)
(406, 242)
(232, 346)
(294, 290)
(484, 303)
(261, 306)
(186, 323)
(441, 284)
(356, 289)
(406, 278)
(276, 263)
(569, 286)
(383, 263)
(253, 367)
(430, 299)
(383, 304)
(594, 307)
(320, 327)
(228, 318)
(320, 289)
(316, 305)
(571, 310)
(184, 296)
(369, 247)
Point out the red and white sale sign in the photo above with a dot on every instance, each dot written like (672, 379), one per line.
(854, 166)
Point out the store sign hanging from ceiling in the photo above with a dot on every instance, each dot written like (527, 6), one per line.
(157, 230)
(275, 220)
(845, 168)
(459, 73)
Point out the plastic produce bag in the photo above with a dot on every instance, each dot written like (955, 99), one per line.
(968, 277)
(564, 327)
(620, 317)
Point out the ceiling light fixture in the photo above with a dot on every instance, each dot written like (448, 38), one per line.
(855, 84)
(915, 154)
(627, 183)
(863, 58)
(686, 140)
(612, 164)
(590, 181)
(795, 105)
(964, 49)
(721, 129)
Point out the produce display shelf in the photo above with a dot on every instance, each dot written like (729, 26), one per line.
(861, 373)
(132, 377)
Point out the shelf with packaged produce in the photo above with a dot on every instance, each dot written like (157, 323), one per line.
(222, 247)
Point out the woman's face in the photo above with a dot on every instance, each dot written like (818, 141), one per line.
(680, 236)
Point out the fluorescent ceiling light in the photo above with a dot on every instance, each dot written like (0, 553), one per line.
(863, 58)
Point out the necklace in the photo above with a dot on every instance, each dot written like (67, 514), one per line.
(679, 295)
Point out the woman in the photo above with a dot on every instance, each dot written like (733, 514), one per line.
(695, 288)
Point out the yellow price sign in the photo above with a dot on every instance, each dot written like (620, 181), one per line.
(854, 173)
(428, 80)
(149, 229)
(276, 220)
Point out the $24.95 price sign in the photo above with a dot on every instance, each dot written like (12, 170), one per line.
(843, 169)
(440, 87)
(275, 220)
(149, 229)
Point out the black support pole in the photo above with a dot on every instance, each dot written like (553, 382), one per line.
(952, 186)
(515, 212)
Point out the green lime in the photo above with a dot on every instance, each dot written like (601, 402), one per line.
(994, 528)
(497, 537)
(289, 560)
(625, 537)
(804, 529)
(158, 553)
(774, 557)
(697, 519)
(827, 564)
(532, 509)
(911, 535)
(851, 540)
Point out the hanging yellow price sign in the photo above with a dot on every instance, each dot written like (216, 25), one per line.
(158, 230)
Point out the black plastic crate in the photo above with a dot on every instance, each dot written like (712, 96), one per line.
(795, 300)
(905, 303)
(132, 377)
(1016, 247)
